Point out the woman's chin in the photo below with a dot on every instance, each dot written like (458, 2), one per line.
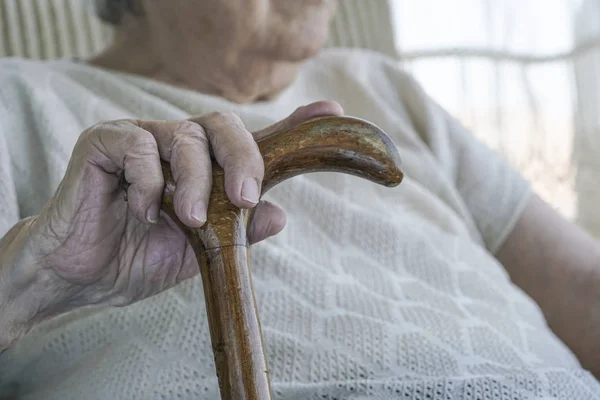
(298, 51)
(302, 54)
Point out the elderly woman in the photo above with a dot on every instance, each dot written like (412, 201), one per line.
(459, 284)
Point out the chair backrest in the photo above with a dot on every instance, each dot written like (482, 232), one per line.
(45, 29)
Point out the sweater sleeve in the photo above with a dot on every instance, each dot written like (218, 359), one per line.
(494, 193)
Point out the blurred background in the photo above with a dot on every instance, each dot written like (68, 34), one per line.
(522, 74)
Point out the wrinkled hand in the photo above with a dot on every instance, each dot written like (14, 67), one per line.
(93, 248)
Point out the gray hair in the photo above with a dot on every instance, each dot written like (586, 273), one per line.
(113, 11)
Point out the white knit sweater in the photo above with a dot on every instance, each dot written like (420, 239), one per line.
(369, 293)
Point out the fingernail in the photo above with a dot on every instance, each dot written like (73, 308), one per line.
(199, 212)
(250, 191)
(152, 214)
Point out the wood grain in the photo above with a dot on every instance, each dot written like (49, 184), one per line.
(340, 144)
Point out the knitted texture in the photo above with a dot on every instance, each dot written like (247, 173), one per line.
(369, 293)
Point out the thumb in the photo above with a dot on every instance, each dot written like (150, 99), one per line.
(268, 221)
(301, 115)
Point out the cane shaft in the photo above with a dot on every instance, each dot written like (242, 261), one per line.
(222, 253)
(329, 144)
(234, 325)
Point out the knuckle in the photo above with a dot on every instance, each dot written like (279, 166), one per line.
(183, 140)
(101, 129)
(187, 126)
(228, 125)
(189, 132)
(221, 116)
(106, 126)
(224, 121)
(92, 131)
(143, 144)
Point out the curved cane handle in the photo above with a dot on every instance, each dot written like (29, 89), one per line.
(340, 144)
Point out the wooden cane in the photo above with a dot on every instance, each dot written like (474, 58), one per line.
(339, 144)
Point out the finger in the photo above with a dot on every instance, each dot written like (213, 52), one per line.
(185, 146)
(236, 151)
(303, 114)
(123, 147)
(268, 221)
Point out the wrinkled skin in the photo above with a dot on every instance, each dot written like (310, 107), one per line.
(97, 249)
(242, 50)
(88, 247)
